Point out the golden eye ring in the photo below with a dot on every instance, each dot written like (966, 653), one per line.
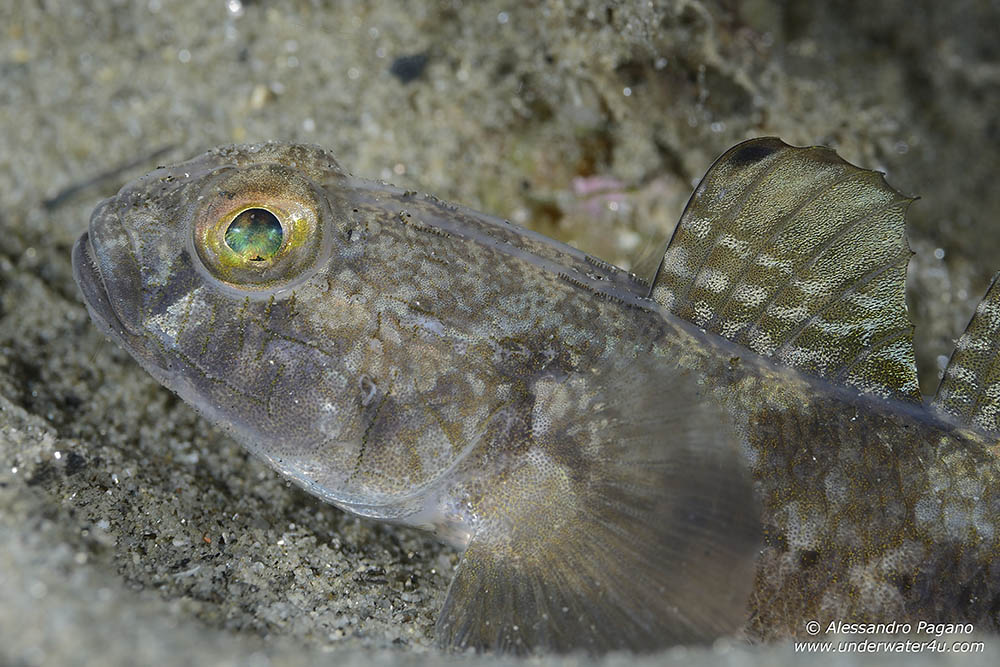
(260, 229)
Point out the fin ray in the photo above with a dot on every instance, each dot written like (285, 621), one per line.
(807, 264)
(629, 524)
(836, 298)
(716, 231)
(748, 266)
(970, 388)
(801, 257)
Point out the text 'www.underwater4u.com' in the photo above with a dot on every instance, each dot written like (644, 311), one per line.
(892, 637)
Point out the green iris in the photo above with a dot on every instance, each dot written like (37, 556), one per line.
(255, 235)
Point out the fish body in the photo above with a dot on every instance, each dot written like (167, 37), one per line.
(737, 445)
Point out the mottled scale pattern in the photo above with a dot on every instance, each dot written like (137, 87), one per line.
(970, 388)
(441, 368)
(801, 257)
(581, 441)
(871, 515)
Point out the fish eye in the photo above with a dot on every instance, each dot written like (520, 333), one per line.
(254, 234)
(260, 228)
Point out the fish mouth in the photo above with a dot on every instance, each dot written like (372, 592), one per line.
(95, 294)
(105, 268)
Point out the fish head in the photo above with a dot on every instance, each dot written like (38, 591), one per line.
(240, 280)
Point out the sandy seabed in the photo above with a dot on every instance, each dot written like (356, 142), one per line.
(132, 531)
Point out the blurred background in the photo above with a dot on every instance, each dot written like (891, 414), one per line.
(133, 526)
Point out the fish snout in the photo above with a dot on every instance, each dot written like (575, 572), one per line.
(106, 267)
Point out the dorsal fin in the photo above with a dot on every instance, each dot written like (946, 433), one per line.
(801, 257)
(970, 388)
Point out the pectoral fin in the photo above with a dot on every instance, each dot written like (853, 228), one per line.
(629, 522)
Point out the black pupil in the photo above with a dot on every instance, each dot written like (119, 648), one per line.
(255, 234)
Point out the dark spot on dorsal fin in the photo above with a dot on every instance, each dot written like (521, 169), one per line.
(755, 151)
